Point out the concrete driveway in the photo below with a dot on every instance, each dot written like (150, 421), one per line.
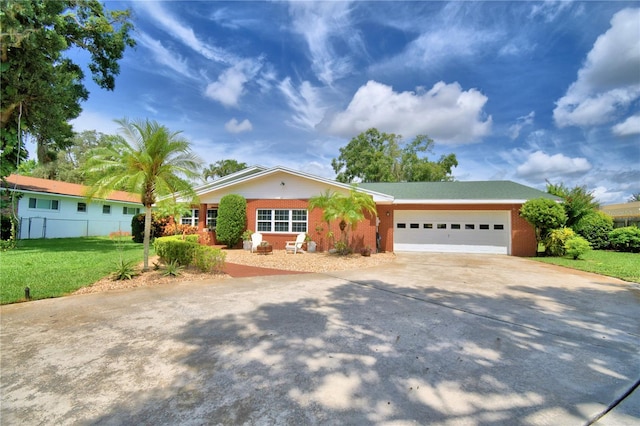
(429, 339)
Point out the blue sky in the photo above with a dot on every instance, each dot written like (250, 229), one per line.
(524, 91)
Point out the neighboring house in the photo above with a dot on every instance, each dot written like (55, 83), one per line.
(54, 209)
(624, 214)
(480, 217)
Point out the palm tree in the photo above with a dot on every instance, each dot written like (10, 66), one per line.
(349, 210)
(150, 160)
(222, 168)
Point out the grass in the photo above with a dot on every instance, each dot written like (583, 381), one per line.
(55, 267)
(625, 266)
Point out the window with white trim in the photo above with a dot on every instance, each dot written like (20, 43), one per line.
(106, 209)
(82, 207)
(281, 220)
(212, 218)
(130, 210)
(191, 220)
(41, 203)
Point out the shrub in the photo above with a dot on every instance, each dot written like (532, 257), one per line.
(595, 228)
(576, 246)
(625, 239)
(137, 227)
(544, 215)
(178, 229)
(125, 270)
(209, 259)
(5, 227)
(171, 249)
(232, 218)
(554, 243)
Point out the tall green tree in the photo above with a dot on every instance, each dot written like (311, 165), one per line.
(373, 156)
(222, 168)
(578, 201)
(41, 88)
(347, 210)
(149, 160)
(634, 197)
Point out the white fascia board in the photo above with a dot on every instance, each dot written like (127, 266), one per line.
(461, 202)
(377, 196)
(233, 177)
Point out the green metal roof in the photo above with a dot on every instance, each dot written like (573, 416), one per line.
(477, 190)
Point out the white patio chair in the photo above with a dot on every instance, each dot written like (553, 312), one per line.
(296, 246)
(256, 239)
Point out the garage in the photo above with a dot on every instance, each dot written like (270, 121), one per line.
(452, 231)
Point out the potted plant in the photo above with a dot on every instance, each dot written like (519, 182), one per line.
(311, 245)
(366, 251)
(246, 239)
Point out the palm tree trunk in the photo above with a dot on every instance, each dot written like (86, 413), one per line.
(147, 236)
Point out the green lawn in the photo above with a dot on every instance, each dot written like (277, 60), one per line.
(625, 266)
(55, 267)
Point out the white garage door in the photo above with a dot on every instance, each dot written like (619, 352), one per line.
(452, 231)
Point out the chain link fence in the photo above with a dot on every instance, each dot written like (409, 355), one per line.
(45, 227)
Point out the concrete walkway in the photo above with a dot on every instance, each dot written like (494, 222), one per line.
(428, 339)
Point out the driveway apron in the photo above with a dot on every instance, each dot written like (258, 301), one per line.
(436, 339)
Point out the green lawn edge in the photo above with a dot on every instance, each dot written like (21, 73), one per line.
(625, 266)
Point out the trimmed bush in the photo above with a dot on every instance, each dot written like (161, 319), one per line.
(554, 243)
(232, 219)
(595, 228)
(576, 246)
(625, 239)
(137, 227)
(544, 215)
(175, 249)
(209, 259)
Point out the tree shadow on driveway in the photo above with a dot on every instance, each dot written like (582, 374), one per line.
(370, 351)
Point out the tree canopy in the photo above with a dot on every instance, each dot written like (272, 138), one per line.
(222, 168)
(578, 201)
(373, 156)
(149, 160)
(41, 88)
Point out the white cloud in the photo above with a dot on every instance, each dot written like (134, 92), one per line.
(609, 81)
(540, 165)
(164, 56)
(630, 126)
(185, 34)
(230, 85)
(90, 120)
(233, 126)
(319, 23)
(527, 120)
(446, 113)
(550, 10)
(306, 103)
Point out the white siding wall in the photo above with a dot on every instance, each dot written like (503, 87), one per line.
(271, 188)
(67, 222)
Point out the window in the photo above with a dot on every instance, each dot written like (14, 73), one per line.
(212, 218)
(39, 203)
(427, 225)
(401, 225)
(484, 227)
(442, 226)
(469, 226)
(82, 207)
(106, 209)
(281, 220)
(131, 210)
(191, 220)
(414, 225)
(498, 227)
(455, 226)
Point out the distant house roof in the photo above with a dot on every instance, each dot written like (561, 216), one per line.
(31, 184)
(493, 192)
(622, 210)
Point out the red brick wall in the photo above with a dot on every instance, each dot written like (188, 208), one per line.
(523, 239)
